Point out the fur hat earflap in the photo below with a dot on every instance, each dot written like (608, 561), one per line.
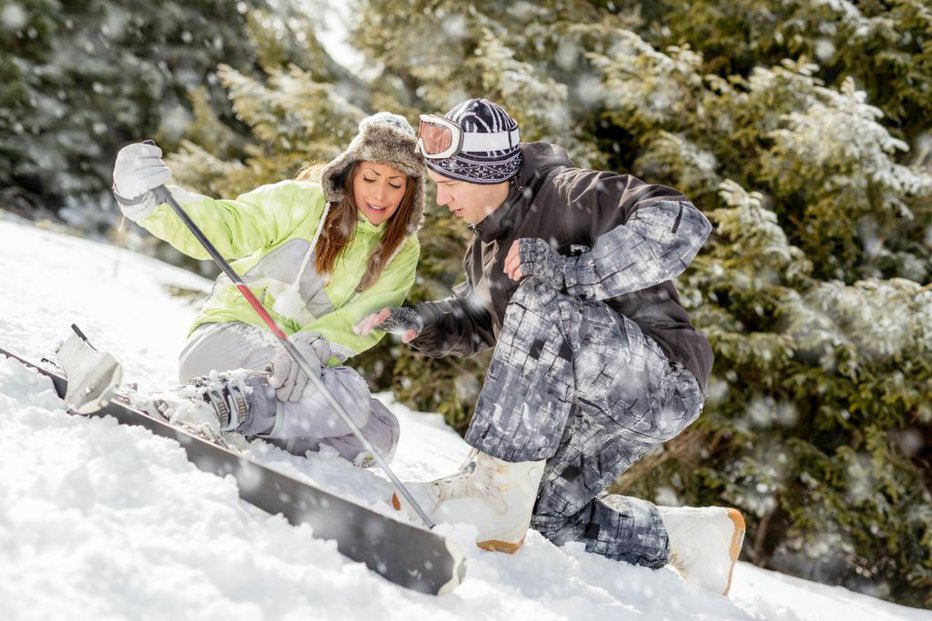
(384, 138)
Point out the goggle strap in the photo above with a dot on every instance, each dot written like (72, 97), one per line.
(494, 141)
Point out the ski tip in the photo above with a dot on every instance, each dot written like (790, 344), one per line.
(78, 331)
(93, 398)
(93, 376)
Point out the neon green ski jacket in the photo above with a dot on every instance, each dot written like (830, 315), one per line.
(266, 234)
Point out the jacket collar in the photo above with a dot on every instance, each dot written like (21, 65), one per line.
(501, 221)
(367, 227)
(538, 159)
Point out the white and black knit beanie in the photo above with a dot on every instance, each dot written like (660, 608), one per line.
(384, 138)
(480, 116)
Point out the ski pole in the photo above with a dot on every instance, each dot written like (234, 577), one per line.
(163, 195)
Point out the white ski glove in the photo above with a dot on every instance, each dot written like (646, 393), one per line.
(138, 169)
(286, 376)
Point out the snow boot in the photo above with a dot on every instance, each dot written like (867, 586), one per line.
(218, 402)
(704, 544)
(494, 495)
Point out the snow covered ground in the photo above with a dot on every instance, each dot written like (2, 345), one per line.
(108, 522)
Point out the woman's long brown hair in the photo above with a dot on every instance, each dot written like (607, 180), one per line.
(339, 227)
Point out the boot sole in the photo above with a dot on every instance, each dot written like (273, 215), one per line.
(492, 545)
(737, 540)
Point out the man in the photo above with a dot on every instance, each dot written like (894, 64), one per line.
(595, 363)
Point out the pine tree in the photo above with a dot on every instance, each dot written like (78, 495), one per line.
(791, 127)
(294, 108)
(82, 78)
(882, 46)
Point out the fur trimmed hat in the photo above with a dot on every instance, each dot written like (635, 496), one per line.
(384, 138)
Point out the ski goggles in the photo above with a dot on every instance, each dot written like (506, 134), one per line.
(439, 138)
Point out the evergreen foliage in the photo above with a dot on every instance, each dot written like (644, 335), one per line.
(294, 109)
(790, 124)
(81, 78)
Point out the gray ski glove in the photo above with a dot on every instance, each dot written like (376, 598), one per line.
(138, 170)
(540, 260)
(286, 376)
(402, 319)
(398, 320)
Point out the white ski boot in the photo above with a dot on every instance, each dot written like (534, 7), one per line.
(704, 544)
(209, 405)
(494, 495)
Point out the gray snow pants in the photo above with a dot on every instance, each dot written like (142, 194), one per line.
(575, 383)
(296, 426)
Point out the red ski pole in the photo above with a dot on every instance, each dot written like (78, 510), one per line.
(163, 195)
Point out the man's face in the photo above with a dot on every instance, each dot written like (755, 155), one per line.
(471, 202)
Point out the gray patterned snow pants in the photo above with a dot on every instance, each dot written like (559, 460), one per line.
(575, 383)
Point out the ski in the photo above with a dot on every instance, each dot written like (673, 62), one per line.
(405, 554)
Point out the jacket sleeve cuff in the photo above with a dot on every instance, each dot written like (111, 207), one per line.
(136, 209)
(577, 270)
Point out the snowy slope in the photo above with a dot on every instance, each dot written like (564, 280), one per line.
(108, 522)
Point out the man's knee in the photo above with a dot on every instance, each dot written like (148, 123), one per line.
(557, 528)
(682, 406)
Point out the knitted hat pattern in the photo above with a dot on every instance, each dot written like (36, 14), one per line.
(480, 116)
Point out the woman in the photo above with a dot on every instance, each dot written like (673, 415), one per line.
(319, 256)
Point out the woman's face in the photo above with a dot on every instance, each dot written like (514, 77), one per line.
(378, 190)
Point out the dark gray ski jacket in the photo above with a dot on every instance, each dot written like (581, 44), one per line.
(625, 240)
